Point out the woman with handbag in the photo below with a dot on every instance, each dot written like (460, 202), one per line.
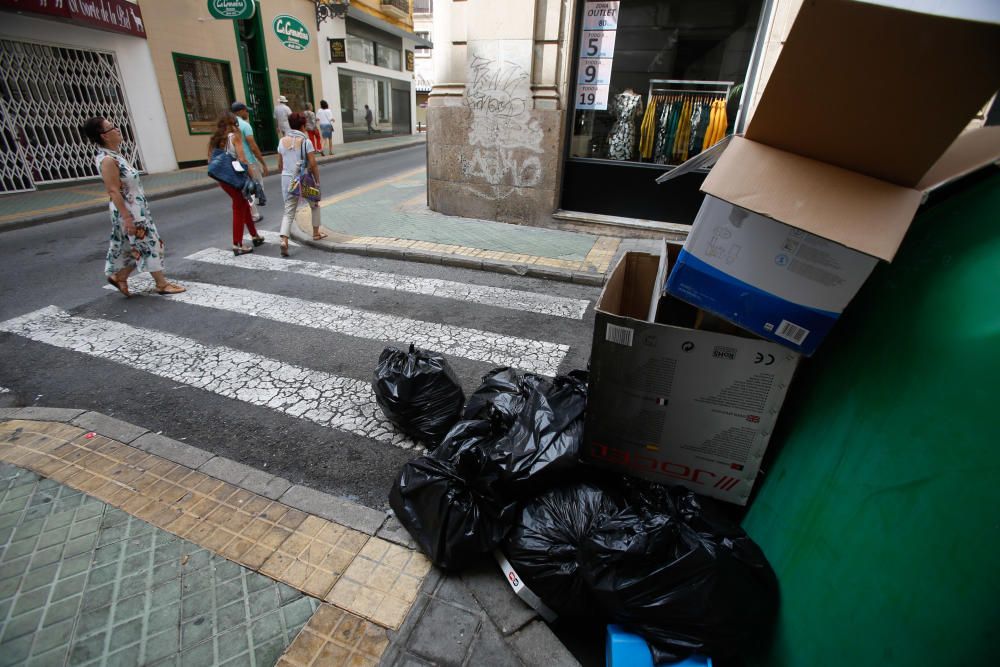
(227, 165)
(135, 242)
(299, 178)
(312, 128)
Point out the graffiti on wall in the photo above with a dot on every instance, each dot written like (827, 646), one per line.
(506, 140)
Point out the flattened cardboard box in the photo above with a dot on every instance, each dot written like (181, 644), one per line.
(816, 160)
(674, 404)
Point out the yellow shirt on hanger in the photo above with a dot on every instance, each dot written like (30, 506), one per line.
(647, 130)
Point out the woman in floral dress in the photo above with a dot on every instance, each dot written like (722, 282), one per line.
(135, 243)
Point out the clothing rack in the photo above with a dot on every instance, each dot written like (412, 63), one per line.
(687, 131)
(657, 87)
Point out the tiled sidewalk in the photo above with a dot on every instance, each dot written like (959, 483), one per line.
(391, 218)
(54, 203)
(116, 554)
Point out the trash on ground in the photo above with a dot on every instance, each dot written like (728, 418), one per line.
(418, 392)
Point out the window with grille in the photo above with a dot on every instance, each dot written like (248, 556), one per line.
(423, 6)
(206, 91)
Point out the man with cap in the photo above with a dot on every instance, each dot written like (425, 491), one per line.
(255, 160)
(281, 114)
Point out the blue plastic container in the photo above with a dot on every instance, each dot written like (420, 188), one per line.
(625, 649)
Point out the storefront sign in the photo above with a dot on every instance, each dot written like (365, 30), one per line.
(409, 60)
(232, 9)
(291, 32)
(111, 15)
(338, 50)
(600, 16)
(598, 32)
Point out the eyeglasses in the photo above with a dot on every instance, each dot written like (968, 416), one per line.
(113, 127)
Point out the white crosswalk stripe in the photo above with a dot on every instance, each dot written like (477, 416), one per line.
(323, 398)
(536, 356)
(519, 300)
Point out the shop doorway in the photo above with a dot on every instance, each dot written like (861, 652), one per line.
(253, 65)
(400, 111)
(47, 94)
(297, 87)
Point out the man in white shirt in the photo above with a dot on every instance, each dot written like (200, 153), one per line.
(255, 160)
(281, 114)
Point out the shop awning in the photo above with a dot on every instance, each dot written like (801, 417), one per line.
(385, 26)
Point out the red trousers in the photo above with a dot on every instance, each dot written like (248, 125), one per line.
(241, 214)
(316, 138)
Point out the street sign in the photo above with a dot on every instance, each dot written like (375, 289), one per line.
(291, 32)
(232, 9)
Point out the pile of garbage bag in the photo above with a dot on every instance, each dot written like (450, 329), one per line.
(660, 561)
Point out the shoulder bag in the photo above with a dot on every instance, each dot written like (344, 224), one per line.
(304, 185)
(223, 168)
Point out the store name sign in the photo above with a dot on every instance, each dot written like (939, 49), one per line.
(111, 15)
(598, 34)
(291, 32)
(232, 9)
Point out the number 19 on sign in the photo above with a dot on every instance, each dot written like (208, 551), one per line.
(591, 97)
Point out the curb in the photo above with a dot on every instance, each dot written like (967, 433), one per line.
(532, 640)
(87, 209)
(446, 259)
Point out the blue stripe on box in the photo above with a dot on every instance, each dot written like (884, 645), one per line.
(706, 287)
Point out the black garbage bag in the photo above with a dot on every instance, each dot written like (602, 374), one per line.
(452, 508)
(418, 392)
(536, 428)
(660, 561)
(523, 431)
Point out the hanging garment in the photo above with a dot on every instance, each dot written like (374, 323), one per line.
(662, 129)
(646, 131)
(621, 138)
(721, 123)
(712, 124)
(675, 116)
(692, 124)
(683, 125)
(698, 134)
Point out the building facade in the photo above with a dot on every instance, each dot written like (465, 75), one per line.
(61, 63)
(564, 113)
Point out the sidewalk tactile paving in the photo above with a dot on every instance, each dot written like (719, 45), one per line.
(381, 583)
(336, 637)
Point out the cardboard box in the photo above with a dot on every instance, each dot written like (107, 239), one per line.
(848, 137)
(675, 404)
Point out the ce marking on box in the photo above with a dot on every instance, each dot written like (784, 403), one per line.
(766, 359)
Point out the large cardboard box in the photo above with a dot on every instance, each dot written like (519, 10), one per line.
(863, 114)
(676, 404)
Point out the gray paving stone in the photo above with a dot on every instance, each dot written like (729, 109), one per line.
(393, 531)
(454, 590)
(423, 256)
(489, 648)
(265, 484)
(444, 634)
(536, 645)
(593, 279)
(172, 450)
(226, 469)
(9, 413)
(48, 414)
(409, 660)
(485, 581)
(335, 509)
(462, 262)
(109, 427)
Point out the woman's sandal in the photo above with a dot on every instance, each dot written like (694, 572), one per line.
(284, 247)
(241, 250)
(257, 240)
(319, 236)
(171, 288)
(120, 285)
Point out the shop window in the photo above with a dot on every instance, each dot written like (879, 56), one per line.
(360, 50)
(206, 87)
(297, 87)
(388, 57)
(422, 51)
(669, 86)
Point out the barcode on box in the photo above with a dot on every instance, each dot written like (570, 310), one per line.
(792, 332)
(620, 335)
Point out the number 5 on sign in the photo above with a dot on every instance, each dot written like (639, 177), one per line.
(591, 97)
(598, 44)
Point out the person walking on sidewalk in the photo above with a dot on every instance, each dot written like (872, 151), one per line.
(256, 166)
(369, 117)
(135, 243)
(312, 128)
(292, 149)
(325, 119)
(227, 137)
(281, 114)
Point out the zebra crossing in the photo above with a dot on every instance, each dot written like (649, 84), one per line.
(343, 402)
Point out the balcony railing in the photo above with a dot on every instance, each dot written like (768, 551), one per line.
(397, 8)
